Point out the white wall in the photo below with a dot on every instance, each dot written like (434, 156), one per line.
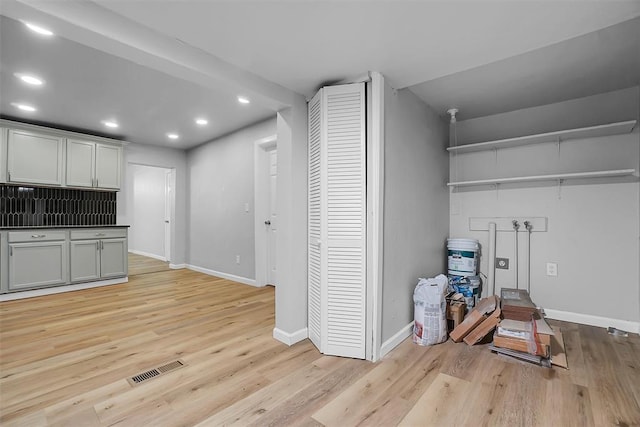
(221, 182)
(593, 225)
(147, 232)
(416, 203)
(166, 158)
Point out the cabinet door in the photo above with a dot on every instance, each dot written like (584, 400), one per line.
(34, 158)
(85, 260)
(108, 165)
(80, 163)
(34, 265)
(113, 258)
(3, 155)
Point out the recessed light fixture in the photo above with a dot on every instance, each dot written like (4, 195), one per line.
(38, 29)
(173, 136)
(243, 100)
(202, 122)
(110, 123)
(24, 107)
(30, 79)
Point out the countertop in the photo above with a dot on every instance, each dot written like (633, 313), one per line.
(58, 227)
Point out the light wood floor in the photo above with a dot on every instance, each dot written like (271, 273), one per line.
(139, 264)
(64, 360)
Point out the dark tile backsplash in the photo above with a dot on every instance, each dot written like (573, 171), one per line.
(38, 206)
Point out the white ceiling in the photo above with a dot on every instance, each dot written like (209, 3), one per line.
(156, 63)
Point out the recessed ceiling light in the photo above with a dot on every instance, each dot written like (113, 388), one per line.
(243, 100)
(110, 123)
(202, 122)
(38, 29)
(24, 107)
(30, 79)
(173, 136)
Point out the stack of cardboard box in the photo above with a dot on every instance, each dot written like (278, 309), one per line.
(518, 326)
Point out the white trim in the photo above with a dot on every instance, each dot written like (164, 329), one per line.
(588, 319)
(149, 255)
(227, 276)
(177, 266)
(290, 339)
(395, 340)
(60, 289)
(375, 220)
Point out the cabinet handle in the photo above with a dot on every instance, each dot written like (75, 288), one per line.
(38, 236)
(9, 176)
(97, 185)
(100, 234)
(10, 250)
(102, 244)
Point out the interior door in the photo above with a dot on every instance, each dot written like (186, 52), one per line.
(272, 228)
(168, 195)
(337, 220)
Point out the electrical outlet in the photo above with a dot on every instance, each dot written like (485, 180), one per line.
(246, 207)
(552, 269)
(502, 263)
(237, 259)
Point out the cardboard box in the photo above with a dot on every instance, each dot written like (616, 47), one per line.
(455, 313)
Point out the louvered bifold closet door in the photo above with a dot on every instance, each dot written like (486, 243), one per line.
(314, 310)
(343, 220)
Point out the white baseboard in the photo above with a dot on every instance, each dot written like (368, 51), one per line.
(149, 255)
(395, 340)
(233, 277)
(588, 319)
(290, 339)
(60, 289)
(177, 266)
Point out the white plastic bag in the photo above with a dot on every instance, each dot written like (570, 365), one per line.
(430, 315)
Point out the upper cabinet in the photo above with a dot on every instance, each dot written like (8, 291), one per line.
(34, 158)
(93, 165)
(37, 155)
(3, 155)
(108, 165)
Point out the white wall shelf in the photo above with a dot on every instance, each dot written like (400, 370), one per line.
(558, 136)
(553, 177)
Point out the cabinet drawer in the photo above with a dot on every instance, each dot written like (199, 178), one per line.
(36, 236)
(98, 233)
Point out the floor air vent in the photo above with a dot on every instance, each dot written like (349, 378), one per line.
(155, 372)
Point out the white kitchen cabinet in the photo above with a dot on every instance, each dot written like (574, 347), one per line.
(34, 158)
(85, 260)
(3, 155)
(93, 165)
(98, 254)
(37, 259)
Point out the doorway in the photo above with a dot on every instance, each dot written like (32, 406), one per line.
(266, 217)
(151, 202)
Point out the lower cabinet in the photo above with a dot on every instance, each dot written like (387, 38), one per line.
(37, 259)
(98, 254)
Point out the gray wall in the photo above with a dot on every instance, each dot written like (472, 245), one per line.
(166, 158)
(221, 181)
(593, 225)
(416, 203)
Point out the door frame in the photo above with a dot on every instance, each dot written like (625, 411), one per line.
(171, 201)
(262, 147)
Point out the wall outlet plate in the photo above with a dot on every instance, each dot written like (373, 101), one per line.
(502, 263)
(552, 269)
